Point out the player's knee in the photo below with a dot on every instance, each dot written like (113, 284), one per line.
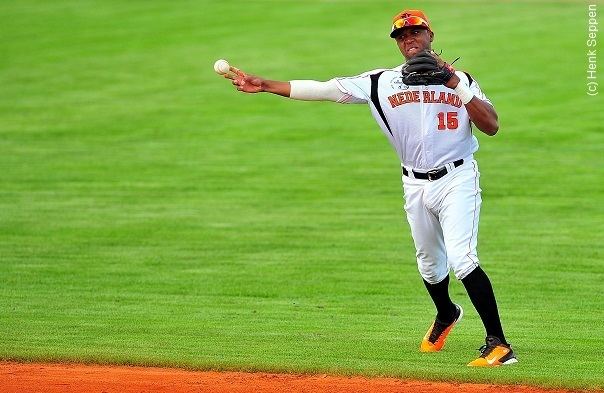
(462, 265)
(433, 273)
(432, 278)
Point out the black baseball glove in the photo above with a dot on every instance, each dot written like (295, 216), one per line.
(426, 68)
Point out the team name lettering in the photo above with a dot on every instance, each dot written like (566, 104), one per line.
(404, 97)
(428, 97)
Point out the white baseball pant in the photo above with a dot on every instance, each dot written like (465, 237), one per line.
(443, 216)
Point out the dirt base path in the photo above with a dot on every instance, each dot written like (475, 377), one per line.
(51, 378)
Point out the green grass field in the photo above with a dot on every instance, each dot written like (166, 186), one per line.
(150, 214)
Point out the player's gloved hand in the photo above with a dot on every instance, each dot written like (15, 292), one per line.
(427, 68)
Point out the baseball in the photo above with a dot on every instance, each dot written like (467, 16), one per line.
(222, 67)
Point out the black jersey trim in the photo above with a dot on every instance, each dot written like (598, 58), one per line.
(470, 80)
(375, 99)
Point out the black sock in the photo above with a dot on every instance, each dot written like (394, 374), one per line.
(481, 294)
(440, 296)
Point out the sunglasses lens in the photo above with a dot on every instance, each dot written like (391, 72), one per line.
(415, 21)
(410, 21)
(399, 23)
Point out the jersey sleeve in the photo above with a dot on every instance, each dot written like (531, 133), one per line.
(468, 80)
(357, 89)
(309, 90)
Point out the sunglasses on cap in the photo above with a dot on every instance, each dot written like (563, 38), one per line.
(409, 21)
(409, 18)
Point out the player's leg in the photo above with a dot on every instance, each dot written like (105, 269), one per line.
(439, 292)
(496, 351)
(459, 217)
(431, 261)
(429, 244)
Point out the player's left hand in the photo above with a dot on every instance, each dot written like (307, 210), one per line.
(427, 68)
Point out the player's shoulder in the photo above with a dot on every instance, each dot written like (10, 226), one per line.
(465, 77)
(396, 70)
(376, 71)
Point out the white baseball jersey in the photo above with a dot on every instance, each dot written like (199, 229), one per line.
(428, 126)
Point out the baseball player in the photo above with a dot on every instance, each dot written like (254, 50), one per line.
(426, 110)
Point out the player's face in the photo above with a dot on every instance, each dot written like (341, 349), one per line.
(413, 40)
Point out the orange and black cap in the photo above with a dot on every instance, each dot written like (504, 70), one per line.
(408, 18)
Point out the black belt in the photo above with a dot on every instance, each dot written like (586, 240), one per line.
(434, 174)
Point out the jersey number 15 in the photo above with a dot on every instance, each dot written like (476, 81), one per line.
(447, 121)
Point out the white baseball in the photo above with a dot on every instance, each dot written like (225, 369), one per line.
(222, 67)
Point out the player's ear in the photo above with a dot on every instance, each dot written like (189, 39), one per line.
(431, 36)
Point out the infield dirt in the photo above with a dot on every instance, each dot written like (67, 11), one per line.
(51, 378)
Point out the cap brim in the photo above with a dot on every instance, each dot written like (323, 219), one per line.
(396, 32)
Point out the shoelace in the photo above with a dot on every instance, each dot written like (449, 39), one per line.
(485, 350)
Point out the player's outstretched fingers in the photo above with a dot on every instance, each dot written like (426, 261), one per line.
(237, 71)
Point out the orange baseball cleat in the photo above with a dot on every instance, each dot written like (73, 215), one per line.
(435, 337)
(494, 353)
